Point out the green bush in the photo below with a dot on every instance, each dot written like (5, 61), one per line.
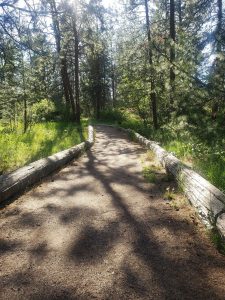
(124, 119)
(112, 115)
(44, 110)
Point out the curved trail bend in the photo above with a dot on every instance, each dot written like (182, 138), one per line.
(97, 230)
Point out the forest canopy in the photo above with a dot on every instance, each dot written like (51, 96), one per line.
(160, 59)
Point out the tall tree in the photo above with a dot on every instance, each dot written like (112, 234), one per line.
(77, 69)
(153, 98)
(68, 92)
(172, 52)
(218, 73)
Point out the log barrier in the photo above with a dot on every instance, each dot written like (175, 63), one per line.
(17, 181)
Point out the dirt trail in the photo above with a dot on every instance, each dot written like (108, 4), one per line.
(97, 230)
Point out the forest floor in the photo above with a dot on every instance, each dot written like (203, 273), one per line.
(98, 230)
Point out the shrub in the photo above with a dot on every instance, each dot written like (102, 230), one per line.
(112, 115)
(44, 110)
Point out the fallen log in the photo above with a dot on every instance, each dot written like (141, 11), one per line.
(17, 181)
(205, 197)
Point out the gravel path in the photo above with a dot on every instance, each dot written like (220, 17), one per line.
(98, 230)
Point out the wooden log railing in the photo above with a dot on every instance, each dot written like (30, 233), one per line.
(17, 181)
(205, 197)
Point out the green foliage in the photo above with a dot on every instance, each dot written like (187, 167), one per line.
(114, 116)
(207, 160)
(125, 119)
(43, 110)
(169, 194)
(217, 240)
(149, 174)
(131, 135)
(42, 140)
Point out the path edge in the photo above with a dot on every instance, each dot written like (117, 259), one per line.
(18, 181)
(208, 200)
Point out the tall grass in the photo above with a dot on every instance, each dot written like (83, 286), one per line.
(43, 139)
(204, 157)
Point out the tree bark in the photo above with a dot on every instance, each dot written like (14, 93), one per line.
(215, 106)
(172, 53)
(153, 98)
(180, 12)
(98, 87)
(64, 75)
(113, 86)
(25, 121)
(25, 118)
(77, 79)
(219, 26)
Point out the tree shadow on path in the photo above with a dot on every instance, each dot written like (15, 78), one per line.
(177, 278)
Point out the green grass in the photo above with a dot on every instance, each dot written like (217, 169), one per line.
(43, 139)
(169, 194)
(149, 175)
(217, 240)
(207, 160)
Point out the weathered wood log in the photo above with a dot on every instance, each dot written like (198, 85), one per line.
(220, 224)
(24, 177)
(205, 197)
(208, 199)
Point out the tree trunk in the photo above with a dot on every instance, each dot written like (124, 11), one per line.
(98, 89)
(180, 12)
(97, 109)
(68, 92)
(219, 26)
(215, 107)
(153, 98)
(113, 86)
(172, 53)
(77, 79)
(25, 119)
(64, 81)
(68, 88)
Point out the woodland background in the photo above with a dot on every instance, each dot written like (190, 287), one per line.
(157, 67)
